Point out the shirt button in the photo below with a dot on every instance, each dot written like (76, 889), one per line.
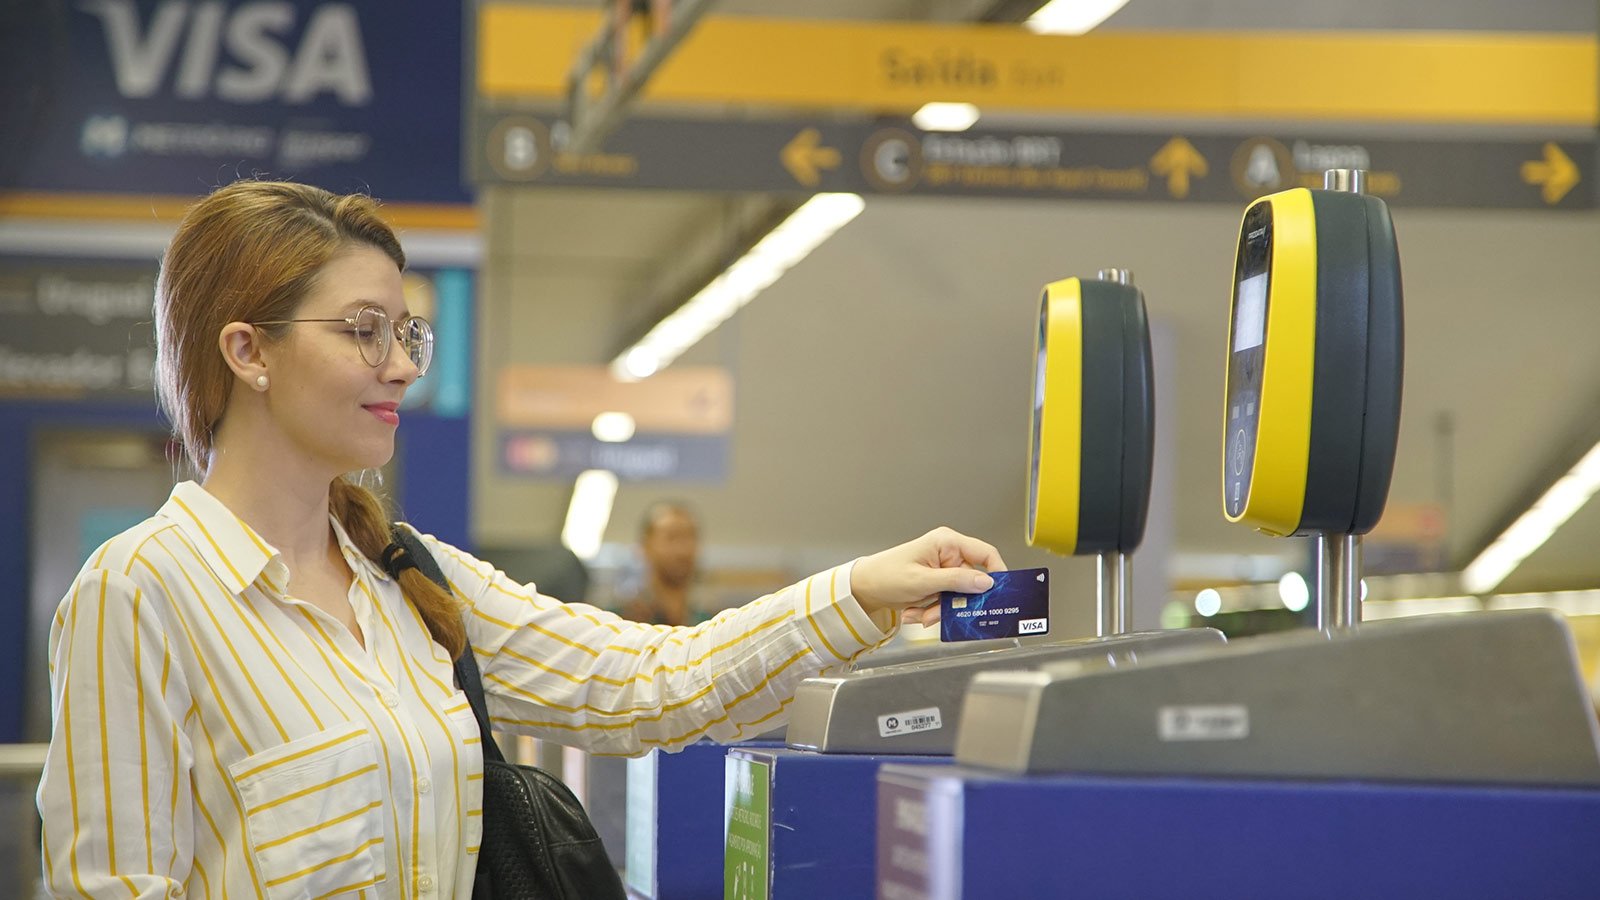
(424, 784)
(425, 882)
(391, 701)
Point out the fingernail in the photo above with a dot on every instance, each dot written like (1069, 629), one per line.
(982, 582)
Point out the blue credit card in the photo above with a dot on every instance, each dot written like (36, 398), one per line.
(1017, 606)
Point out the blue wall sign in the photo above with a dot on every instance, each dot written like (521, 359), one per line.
(179, 96)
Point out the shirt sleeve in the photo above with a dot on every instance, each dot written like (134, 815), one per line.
(585, 677)
(115, 794)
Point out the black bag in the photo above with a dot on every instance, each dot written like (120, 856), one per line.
(538, 843)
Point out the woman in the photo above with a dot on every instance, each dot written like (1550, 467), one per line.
(247, 705)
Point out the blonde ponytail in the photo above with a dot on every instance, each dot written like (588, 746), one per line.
(367, 522)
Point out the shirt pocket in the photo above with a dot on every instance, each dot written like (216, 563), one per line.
(314, 813)
(465, 724)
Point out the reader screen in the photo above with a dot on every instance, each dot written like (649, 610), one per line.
(1038, 411)
(1247, 355)
(1250, 313)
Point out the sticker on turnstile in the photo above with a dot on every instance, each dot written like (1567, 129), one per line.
(1203, 723)
(1016, 606)
(909, 722)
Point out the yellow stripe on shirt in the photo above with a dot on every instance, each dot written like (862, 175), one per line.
(816, 626)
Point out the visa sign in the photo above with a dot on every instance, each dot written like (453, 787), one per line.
(239, 54)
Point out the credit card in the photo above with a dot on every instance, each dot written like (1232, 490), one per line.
(1017, 606)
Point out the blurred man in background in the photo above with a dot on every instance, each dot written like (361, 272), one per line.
(669, 540)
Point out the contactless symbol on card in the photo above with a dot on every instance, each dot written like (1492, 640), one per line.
(1017, 605)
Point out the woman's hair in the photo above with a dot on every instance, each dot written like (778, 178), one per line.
(250, 252)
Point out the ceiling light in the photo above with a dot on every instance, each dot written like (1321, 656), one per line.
(613, 427)
(1529, 532)
(1294, 592)
(945, 116)
(588, 513)
(639, 363)
(793, 240)
(1071, 16)
(1208, 602)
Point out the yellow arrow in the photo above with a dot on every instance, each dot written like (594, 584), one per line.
(1176, 161)
(1556, 172)
(804, 156)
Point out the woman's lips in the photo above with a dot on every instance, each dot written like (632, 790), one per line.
(386, 412)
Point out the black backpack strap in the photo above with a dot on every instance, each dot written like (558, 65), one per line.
(408, 552)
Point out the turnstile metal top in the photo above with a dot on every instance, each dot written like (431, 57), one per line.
(913, 707)
(1494, 697)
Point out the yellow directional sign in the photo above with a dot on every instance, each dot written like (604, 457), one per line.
(805, 156)
(1556, 173)
(1471, 77)
(1176, 161)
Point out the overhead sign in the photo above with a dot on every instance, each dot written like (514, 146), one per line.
(563, 455)
(682, 399)
(123, 97)
(76, 330)
(1553, 79)
(681, 417)
(894, 157)
(81, 329)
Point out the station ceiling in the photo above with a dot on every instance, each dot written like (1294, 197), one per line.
(884, 383)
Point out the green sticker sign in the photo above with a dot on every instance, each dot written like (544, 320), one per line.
(747, 814)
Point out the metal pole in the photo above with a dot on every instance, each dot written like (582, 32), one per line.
(1113, 581)
(1339, 555)
(1352, 180)
(1338, 581)
(1114, 572)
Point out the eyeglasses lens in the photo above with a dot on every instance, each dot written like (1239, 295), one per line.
(372, 335)
(416, 335)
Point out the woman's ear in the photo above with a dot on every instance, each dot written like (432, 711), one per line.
(241, 349)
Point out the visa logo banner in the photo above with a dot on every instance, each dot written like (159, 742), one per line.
(175, 97)
(239, 54)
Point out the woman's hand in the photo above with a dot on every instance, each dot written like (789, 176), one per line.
(903, 580)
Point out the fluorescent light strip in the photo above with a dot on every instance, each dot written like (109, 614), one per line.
(945, 116)
(783, 247)
(1072, 16)
(1529, 532)
(589, 511)
(1572, 603)
(1417, 606)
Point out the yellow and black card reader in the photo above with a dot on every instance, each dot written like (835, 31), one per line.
(1093, 419)
(1315, 355)
(1093, 428)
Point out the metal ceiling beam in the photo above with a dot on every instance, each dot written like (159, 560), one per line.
(589, 120)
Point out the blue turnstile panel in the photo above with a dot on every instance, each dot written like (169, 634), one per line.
(947, 832)
(674, 822)
(801, 824)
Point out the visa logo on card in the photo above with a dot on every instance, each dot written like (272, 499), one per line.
(1017, 605)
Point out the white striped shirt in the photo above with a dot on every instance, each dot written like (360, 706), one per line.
(216, 737)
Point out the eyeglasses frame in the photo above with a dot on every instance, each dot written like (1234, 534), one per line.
(394, 336)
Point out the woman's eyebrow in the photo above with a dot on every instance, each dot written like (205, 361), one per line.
(355, 306)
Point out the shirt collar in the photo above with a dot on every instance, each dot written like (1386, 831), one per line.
(230, 547)
(234, 551)
(353, 554)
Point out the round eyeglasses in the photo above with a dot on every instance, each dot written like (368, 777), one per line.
(374, 333)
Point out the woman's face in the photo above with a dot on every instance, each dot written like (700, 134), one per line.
(333, 406)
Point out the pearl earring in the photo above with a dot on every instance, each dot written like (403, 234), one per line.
(261, 382)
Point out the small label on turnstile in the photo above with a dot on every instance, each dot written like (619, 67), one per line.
(1203, 723)
(909, 722)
